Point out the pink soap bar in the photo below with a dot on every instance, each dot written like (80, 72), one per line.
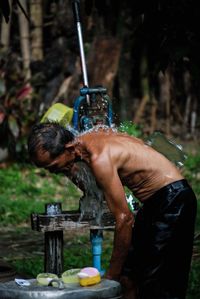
(90, 271)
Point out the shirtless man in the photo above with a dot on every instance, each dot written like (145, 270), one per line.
(155, 252)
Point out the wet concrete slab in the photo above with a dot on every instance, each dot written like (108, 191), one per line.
(106, 289)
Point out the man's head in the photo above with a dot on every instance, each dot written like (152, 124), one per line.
(47, 145)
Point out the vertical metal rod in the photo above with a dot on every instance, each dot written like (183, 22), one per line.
(82, 54)
(76, 11)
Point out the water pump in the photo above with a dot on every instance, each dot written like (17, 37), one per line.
(93, 106)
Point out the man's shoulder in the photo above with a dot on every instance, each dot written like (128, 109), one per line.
(99, 158)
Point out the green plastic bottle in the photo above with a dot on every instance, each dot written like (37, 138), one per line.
(172, 151)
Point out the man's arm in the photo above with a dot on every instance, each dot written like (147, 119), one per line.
(108, 178)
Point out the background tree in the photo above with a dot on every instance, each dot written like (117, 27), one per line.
(24, 40)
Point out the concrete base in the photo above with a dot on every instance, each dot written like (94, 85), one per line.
(106, 289)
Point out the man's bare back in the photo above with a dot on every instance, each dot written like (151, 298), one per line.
(141, 168)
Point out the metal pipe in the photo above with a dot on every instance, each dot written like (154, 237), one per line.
(75, 119)
(82, 55)
(96, 238)
(76, 11)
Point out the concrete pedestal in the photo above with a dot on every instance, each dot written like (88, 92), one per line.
(106, 289)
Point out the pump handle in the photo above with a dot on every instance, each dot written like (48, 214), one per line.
(76, 10)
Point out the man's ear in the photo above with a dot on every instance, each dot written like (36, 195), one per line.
(70, 147)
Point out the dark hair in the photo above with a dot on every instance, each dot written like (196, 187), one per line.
(50, 137)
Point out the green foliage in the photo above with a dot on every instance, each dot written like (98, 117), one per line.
(25, 190)
(29, 266)
(19, 106)
(192, 166)
(79, 254)
(130, 128)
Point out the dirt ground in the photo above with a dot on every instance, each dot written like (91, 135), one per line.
(19, 244)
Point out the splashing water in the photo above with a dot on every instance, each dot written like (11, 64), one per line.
(98, 128)
(72, 130)
(91, 204)
(172, 151)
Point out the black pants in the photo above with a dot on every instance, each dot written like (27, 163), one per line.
(162, 243)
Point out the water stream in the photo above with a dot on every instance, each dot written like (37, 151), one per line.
(91, 203)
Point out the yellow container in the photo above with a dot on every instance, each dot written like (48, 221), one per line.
(59, 113)
(88, 281)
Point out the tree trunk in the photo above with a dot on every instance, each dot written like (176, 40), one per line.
(124, 105)
(144, 89)
(194, 118)
(37, 32)
(5, 32)
(24, 39)
(187, 89)
(165, 94)
(140, 110)
(154, 106)
(103, 62)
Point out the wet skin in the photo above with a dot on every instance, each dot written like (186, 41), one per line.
(116, 160)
